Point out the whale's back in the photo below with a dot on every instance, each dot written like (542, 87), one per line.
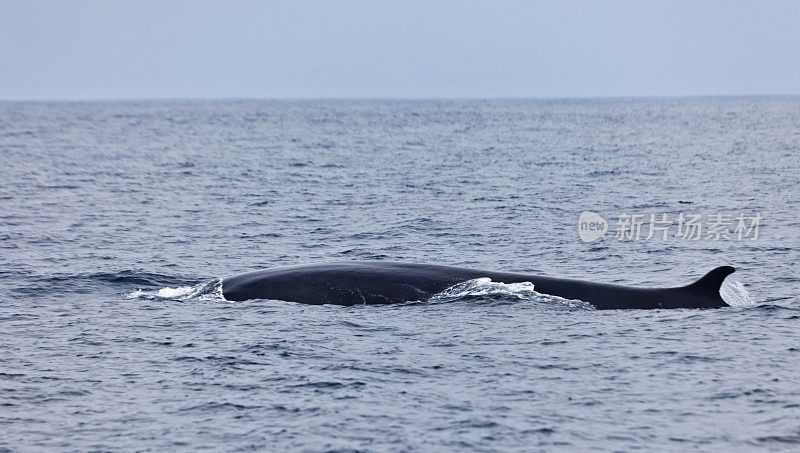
(348, 283)
(353, 283)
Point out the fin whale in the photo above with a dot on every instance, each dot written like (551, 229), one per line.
(355, 283)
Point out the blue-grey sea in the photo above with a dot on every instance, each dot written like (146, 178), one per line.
(118, 219)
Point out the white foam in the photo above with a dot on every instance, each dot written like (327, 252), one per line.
(734, 293)
(204, 291)
(485, 287)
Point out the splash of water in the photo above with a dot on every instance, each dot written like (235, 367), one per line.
(210, 291)
(485, 288)
(734, 293)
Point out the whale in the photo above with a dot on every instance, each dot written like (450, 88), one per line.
(382, 282)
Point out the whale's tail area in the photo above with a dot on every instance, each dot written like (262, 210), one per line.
(709, 285)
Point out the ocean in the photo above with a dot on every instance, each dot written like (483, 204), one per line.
(119, 219)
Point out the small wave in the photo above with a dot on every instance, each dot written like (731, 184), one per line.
(211, 291)
(485, 288)
(83, 283)
(734, 294)
(134, 277)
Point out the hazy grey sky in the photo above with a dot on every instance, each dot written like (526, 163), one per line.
(189, 49)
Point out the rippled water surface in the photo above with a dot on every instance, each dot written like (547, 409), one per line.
(118, 220)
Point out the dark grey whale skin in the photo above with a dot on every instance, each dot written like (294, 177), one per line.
(380, 282)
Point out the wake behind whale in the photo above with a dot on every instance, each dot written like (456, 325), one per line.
(357, 283)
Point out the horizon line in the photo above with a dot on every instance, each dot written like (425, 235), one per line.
(392, 98)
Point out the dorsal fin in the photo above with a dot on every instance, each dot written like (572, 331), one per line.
(712, 281)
